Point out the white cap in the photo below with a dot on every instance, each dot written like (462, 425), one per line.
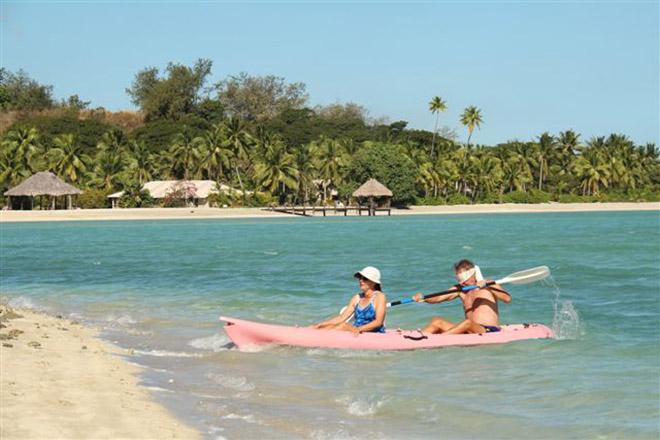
(370, 273)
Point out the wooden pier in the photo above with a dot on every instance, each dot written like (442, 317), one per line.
(311, 211)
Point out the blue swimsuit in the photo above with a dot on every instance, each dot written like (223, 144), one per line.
(366, 315)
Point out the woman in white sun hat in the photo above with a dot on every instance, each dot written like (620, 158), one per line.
(367, 307)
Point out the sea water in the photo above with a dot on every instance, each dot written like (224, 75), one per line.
(158, 287)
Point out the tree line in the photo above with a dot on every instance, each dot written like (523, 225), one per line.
(257, 134)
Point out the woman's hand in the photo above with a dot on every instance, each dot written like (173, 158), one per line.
(356, 331)
(418, 297)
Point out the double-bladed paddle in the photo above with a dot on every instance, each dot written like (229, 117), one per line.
(523, 277)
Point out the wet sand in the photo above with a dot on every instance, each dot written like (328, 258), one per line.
(58, 380)
(235, 213)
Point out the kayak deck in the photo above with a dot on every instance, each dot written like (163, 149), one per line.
(245, 333)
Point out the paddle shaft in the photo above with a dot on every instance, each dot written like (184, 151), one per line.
(444, 292)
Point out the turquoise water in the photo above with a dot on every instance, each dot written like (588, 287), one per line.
(158, 288)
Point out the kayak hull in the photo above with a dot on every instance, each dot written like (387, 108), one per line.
(246, 334)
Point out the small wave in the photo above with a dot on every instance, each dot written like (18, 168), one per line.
(467, 248)
(216, 342)
(23, 302)
(123, 320)
(233, 383)
(158, 389)
(136, 332)
(270, 253)
(340, 434)
(214, 430)
(362, 407)
(166, 353)
(248, 418)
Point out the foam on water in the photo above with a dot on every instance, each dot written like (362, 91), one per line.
(361, 407)
(216, 342)
(23, 302)
(167, 353)
(233, 383)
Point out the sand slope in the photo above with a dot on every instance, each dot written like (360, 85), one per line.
(58, 380)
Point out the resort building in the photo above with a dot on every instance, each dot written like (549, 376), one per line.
(196, 191)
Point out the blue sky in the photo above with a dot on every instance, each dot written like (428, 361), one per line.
(530, 66)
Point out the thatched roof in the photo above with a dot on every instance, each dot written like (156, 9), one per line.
(372, 188)
(43, 183)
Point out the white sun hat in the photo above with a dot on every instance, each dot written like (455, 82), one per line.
(370, 273)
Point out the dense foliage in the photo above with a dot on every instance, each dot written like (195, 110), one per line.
(257, 134)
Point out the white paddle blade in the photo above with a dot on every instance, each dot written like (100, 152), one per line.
(526, 276)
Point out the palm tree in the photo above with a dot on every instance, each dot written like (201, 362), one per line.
(436, 106)
(141, 161)
(107, 170)
(67, 158)
(215, 153)
(277, 171)
(471, 118)
(239, 142)
(182, 155)
(546, 150)
(22, 145)
(305, 166)
(112, 140)
(591, 171)
(329, 159)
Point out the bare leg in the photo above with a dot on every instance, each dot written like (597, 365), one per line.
(437, 325)
(344, 326)
(466, 326)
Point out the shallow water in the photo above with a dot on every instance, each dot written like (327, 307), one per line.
(158, 288)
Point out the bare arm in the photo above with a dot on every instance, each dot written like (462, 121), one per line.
(437, 299)
(499, 293)
(380, 306)
(343, 317)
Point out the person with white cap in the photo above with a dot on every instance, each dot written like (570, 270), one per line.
(367, 307)
(480, 305)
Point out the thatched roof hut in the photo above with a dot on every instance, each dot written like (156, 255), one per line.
(43, 183)
(372, 188)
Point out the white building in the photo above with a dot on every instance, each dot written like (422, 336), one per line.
(197, 191)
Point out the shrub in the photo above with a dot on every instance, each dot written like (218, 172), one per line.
(458, 199)
(575, 198)
(430, 201)
(515, 197)
(219, 199)
(135, 197)
(179, 195)
(538, 196)
(93, 199)
(490, 198)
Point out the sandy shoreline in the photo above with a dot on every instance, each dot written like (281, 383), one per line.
(238, 213)
(58, 380)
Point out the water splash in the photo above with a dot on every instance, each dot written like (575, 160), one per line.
(565, 320)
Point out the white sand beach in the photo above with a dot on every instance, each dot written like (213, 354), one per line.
(58, 380)
(235, 213)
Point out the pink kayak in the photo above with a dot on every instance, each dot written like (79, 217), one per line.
(248, 333)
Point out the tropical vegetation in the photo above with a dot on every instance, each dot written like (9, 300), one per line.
(259, 135)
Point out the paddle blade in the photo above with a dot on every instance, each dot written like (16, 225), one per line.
(526, 276)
